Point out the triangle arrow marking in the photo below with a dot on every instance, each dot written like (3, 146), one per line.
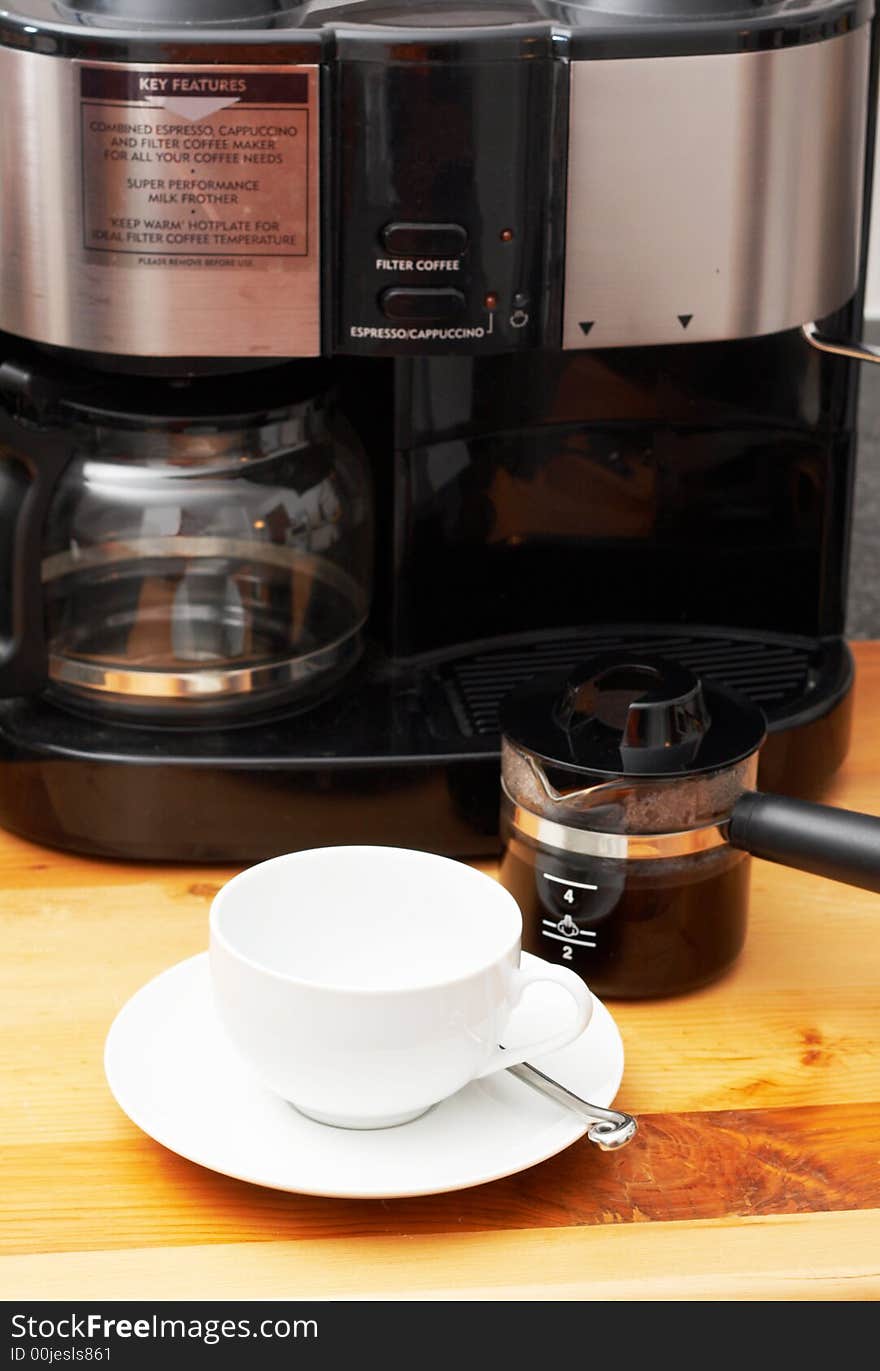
(192, 106)
(585, 327)
(684, 319)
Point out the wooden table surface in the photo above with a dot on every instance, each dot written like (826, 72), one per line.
(756, 1172)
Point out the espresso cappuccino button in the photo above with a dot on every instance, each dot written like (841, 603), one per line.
(425, 304)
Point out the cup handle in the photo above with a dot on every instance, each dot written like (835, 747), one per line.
(573, 986)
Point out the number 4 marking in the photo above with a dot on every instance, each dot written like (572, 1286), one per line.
(569, 896)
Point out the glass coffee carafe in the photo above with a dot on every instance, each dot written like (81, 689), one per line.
(208, 552)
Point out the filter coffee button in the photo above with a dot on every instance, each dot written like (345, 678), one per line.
(421, 303)
(424, 240)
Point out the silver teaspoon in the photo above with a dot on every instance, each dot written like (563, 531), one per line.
(611, 1128)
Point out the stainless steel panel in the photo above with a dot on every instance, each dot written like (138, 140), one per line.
(65, 279)
(714, 197)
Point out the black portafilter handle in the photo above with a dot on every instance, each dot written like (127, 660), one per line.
(837, 843)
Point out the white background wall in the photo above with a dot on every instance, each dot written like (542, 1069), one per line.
(872, 298)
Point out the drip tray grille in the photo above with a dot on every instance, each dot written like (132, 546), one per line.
(784, 676)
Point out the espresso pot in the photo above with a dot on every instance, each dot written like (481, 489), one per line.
(629, 816)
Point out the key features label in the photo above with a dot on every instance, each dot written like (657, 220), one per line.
(206, 168)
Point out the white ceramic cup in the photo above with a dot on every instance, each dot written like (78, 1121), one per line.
(365, 984)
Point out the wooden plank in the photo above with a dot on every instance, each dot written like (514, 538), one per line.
(786, 1257)
(797, 1022)
(133, 1193)
(758, 1097)
(25, 865)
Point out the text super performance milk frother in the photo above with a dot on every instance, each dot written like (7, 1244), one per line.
(628, 816)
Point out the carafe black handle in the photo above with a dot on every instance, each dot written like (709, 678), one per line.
(31, 463)
(837, 843)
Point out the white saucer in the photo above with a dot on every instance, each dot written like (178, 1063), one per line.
(174, 1073)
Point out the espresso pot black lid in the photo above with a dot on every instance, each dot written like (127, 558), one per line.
(641, 716)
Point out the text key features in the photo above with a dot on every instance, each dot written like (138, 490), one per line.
(195, 164)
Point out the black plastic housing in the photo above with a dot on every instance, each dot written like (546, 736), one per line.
(532, 506)
(482, 148)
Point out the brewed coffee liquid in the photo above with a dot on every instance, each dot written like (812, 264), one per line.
(631, 929)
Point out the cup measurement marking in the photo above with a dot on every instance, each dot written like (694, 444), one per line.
(585, 936)
(561, 880)
(562, 928)
(565, 930)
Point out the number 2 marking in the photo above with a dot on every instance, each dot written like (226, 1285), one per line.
(566, 953)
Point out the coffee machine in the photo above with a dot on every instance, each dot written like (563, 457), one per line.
(359, 361)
